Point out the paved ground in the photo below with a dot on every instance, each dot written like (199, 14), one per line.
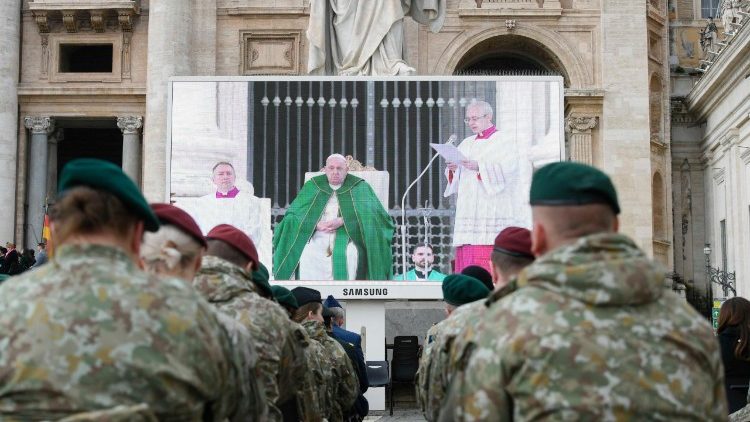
(412, 415)
(404, 407)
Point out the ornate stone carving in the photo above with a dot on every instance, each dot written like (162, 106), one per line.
(69, 20)
(97, 20)
(579, 131)
(581, 124)
(39, 124)
(125, 18)
(130, 124)
(510, 24)
(40, 16)
(270, 52)
(126, 36)
(44, 65)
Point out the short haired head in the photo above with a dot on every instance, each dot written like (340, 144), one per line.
(177, 247)
(568, 201)
(231, 244)
(479, 116)
(336, 169)
(98, 203)
(223, 176)
(422, 255)
(510, 254)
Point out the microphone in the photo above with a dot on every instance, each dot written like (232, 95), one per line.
(451, 140)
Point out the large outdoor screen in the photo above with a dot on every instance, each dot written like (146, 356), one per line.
(315, 170)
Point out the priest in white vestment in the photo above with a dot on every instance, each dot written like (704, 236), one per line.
(365, 37)
(232, 203)
(486, 185)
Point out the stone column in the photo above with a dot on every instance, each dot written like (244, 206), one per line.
(579, 130)
(131, 145)
(624, 124)
(40, 127)
(169, 54)
(56, 137)
(10, 50)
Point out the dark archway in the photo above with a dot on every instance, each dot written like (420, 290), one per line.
(510, 54)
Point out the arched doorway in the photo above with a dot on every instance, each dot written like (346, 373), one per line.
(510, 54)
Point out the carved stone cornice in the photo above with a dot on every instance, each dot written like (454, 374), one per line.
(40, 16)
(39, 124)
(125, 19)
(69, 20)
(97, 20)
(82, 15)
(580, 124)
(130, 124)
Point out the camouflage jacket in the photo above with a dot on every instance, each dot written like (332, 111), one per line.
(90, 331)
(251, 404)
(278, 342)
(590, 334)
(433, 376)
(309, 380)
(343, 385)
(323, 373)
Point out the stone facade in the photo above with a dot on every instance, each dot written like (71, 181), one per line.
(614, 60)
(710, 96)
(715, 152)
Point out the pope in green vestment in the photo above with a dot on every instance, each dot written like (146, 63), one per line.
(359, 222)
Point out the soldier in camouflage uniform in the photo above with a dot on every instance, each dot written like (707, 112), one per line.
(458, 290)
(176, 250)
(590, 333)
(342, 385)
(225, 280)
(511, 253)
(91, 331)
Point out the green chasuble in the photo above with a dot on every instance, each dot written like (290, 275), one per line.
(366, 224)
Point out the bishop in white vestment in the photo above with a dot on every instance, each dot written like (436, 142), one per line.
(485, 184)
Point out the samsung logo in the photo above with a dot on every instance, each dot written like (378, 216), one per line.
(365, 292)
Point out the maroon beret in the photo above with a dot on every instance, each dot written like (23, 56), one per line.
(237, 239)
(514, 241)
(169, 214)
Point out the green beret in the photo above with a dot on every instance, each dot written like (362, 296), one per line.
(569, 183)
(459, 289)
(103, 175)
(284, 296)
(260, 278)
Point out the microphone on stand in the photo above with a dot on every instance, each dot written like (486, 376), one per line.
(451, 140)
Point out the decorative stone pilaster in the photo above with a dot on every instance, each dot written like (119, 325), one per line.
(131, 145)
(40, 127)
(10, 54)
(579, 130)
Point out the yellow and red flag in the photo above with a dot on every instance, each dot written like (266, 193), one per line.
(47, 234)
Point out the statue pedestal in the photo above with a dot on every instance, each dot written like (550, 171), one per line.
(365, 312)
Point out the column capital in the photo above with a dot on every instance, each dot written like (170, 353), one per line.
(130, 124)
(580, 124)
(39, 124)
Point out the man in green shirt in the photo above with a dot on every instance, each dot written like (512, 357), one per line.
(423, 259)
